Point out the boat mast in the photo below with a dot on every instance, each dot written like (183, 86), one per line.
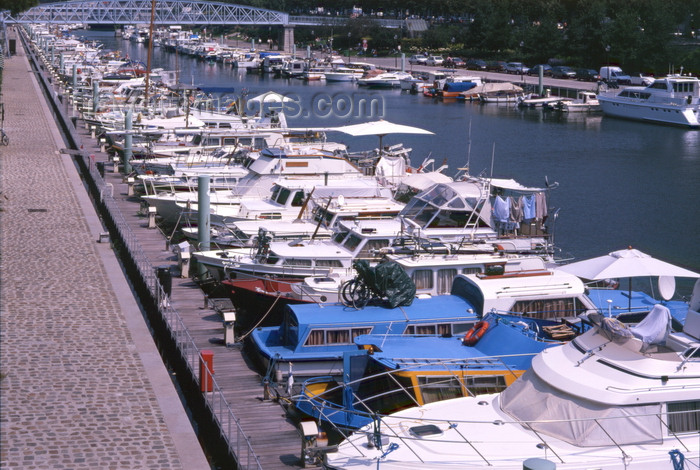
(150, 48)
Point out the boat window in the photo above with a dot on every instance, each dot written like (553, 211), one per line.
(280, 194)
(459, 329)
(480, 384)
(449, 219)
(224, 125)
(352, 242)
(370, 249)
(413, 207)
(423, 279)
(270, 215)
(471, 271)
(339, 237)
(425, 430)
(338, 337)
(291, 330)
(297, 262)
(444, 280)
(684, 416)
(335, 336)
(298, 200)
(330, 263)
(245, 141)
(360, 331)
(440, 388)
(229, 141)
(549, 308)
(421, 330)
(315, 338)
(259, 143)
(684, 87)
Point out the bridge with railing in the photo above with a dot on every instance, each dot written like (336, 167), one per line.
(175, 12)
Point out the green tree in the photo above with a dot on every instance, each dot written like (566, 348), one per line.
(17, 6)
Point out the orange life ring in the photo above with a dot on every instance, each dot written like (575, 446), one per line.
(475, 333)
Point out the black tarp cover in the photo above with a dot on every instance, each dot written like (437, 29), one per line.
(388, 280)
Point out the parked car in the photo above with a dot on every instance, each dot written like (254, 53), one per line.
(588, 75)
(535, 70)
(476, 64)
(435, 60)
(563, 71)
(517, 67)
(454, 62)
(418, 59)
(496, 66)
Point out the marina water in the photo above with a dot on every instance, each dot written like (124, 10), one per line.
(620, 183)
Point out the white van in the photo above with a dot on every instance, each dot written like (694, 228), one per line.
(614, 73)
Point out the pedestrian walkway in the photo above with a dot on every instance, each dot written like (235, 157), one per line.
(82, 384)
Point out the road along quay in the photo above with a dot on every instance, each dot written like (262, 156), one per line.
(235, 419)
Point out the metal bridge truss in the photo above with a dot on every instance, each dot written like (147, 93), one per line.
(167, 12)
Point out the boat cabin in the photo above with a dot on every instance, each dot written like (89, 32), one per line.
(527, 288)
(312, 339)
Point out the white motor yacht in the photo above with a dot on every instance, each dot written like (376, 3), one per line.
(673, 100)
(384, 80)
(614, 398)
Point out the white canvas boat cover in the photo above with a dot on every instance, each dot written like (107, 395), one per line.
(655, 327)
(577, 420)
(513, 185)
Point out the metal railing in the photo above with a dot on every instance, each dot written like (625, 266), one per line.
(229, 425)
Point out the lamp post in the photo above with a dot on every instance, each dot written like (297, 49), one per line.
(395, 54)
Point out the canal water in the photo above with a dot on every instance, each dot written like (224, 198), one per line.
(621, 183)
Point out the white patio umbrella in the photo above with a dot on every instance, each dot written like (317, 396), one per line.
(630, 263)
(380, 128)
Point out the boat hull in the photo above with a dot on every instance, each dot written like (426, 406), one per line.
(683, 116)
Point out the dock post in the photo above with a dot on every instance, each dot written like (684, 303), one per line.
(74, 81)
(403, 61)
(540, 75)
(127, 141)
(95, 95)
(206, 370)
(203, 218)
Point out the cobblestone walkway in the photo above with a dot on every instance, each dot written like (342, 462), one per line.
(74, 393)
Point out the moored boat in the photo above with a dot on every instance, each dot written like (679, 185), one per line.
(613, 398)
(673, 100)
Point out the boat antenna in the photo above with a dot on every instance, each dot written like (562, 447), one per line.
(493, 157)
(469, 146)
